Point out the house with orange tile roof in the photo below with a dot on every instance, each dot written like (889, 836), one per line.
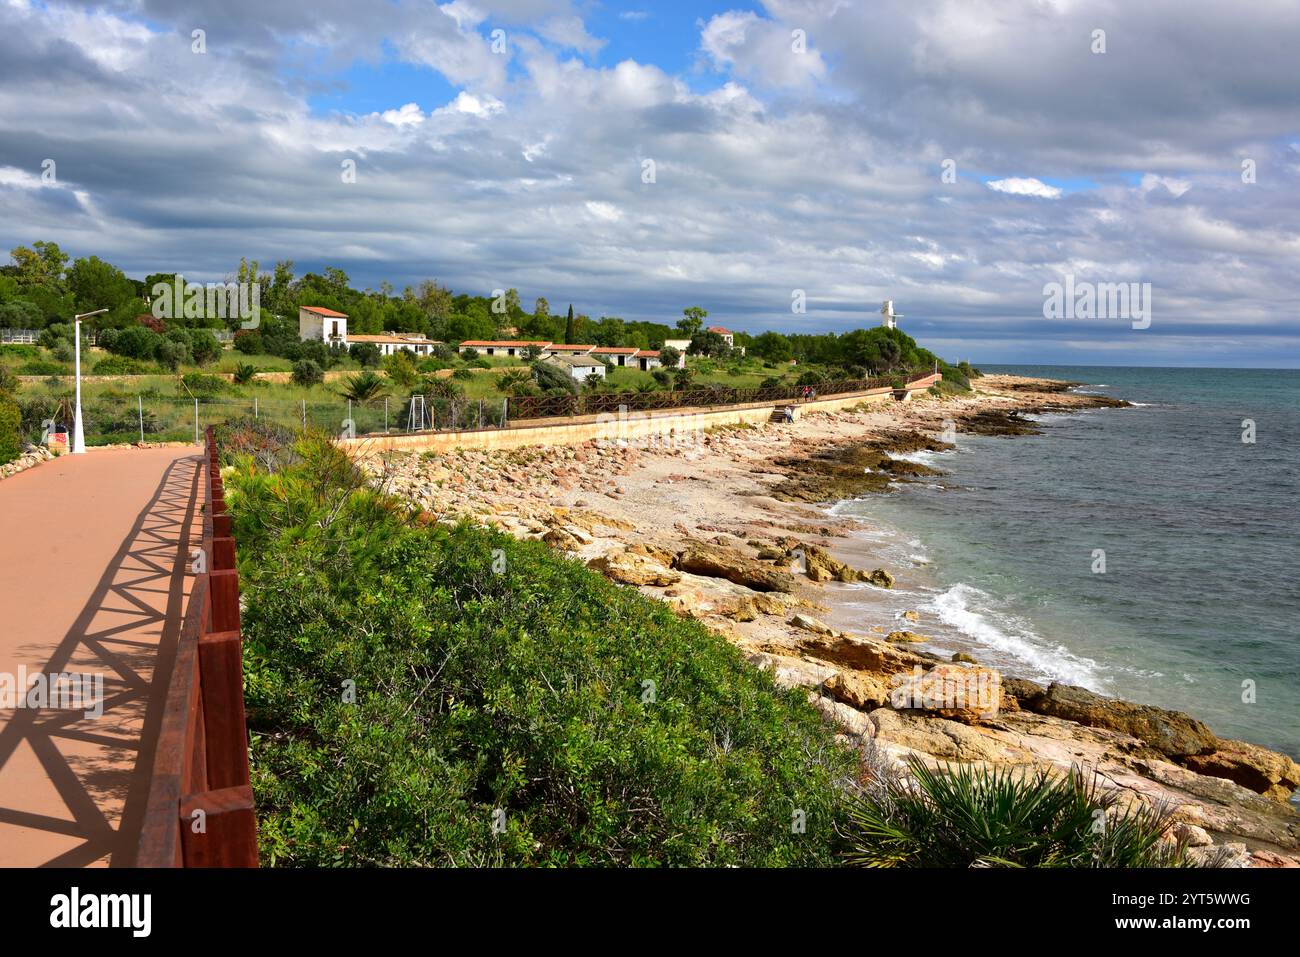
(614, 355)
(323, 325)
(501, 347)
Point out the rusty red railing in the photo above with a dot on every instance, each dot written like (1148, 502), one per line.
(200, 811)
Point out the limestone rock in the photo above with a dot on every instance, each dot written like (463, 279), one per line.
(962, 656)
(717, 561)
(945, 740)
(857, 690)
(1169, 732)
(880, 578)
(629, 568)
(809, 623)
(905, 636)
(1192, 835)
(951, 691)
(1265, 772)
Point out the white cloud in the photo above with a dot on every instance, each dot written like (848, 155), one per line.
(761, 49)
(485, 104)
(408, 115)
(1027, 186)
(1151, 181)
(572, 33)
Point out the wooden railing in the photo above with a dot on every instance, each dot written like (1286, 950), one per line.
(200, 811)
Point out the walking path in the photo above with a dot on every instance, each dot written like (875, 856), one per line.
(93, 582)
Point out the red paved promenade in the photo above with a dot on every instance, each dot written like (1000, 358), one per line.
(93, 581)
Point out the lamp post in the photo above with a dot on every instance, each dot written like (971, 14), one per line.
(78, 435)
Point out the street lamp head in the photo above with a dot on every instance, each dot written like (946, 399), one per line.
(87, 315)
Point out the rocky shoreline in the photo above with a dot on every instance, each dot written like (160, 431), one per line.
(722, 526)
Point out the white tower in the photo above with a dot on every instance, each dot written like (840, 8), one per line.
(890, 320)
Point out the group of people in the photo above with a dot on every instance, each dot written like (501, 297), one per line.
(808, 392)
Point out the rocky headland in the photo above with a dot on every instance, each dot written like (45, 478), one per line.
(724, 527)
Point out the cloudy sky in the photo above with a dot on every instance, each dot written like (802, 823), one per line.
(794, 145)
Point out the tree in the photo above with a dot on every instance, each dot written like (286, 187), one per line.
(707, 343)
(541, 308)
(40, 265)
(692, 320)
(773, 347)
(97, 285)
(669, 357)
(568, 327)
(435, 301)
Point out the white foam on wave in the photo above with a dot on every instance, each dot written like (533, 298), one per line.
(921, 457)
(969, 610)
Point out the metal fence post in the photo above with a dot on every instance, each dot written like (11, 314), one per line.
(254, 406)
(505, 411)
(385, 415)
(196, 420)
(304, 413)
(139, 399)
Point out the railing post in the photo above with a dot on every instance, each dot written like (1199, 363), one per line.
(219, 828)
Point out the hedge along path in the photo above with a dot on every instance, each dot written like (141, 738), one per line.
(93, 580)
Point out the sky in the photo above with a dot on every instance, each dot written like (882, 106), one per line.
(955, 156)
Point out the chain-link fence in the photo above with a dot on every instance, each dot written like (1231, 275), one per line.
(148, 418)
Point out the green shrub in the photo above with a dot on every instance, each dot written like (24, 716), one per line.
(11, 445)
(202, 385)
(497, 683)
(552, 378)
(1002, 817)
(121, 365)
(365, 354)
(249, 342)
(9, 384)
(307, 372)
(244, 373)
(43, 367)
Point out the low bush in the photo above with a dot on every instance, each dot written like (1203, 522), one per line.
(202, 385)
(122, 365)
(307, 372)
(428, 695)
(961, 816)
(44, 367)
(11, 445)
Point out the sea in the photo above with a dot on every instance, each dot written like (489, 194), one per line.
(1150, 553)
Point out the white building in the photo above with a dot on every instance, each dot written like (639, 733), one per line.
(728, 336)
(323, 325)
(391, 342)
(578, 367)
(331, 327)
(501, 347)
(647, 359)
(615, 355)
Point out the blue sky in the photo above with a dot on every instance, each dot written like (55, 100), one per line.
(779, 168)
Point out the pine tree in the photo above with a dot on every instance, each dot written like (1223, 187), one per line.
(568, 327)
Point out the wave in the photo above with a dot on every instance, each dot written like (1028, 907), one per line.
(971, 612)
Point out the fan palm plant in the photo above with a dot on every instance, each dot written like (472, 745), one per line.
(364, 386)
(978, 817)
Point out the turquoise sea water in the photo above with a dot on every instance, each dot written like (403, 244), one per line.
(1199, 601)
